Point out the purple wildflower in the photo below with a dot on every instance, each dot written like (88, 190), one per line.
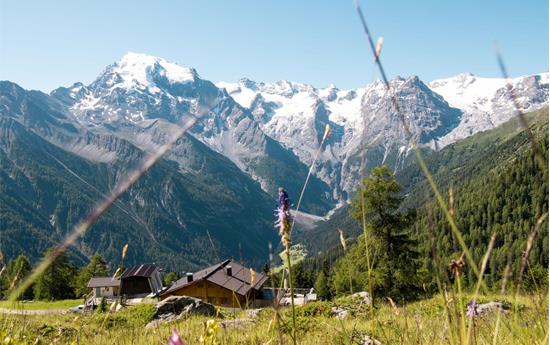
(282, 213)
(283, 202)
(175, 339)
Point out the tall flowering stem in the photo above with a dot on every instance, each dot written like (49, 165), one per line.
(283, 223)
(325, 137)
(285, 227)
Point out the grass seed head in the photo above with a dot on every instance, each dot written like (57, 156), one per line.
(342, 239)
(327, 132)
(124, 250)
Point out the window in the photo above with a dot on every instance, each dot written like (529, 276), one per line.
(225, 300)
(98, 292)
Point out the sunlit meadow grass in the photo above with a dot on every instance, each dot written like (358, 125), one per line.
(41, 305)
(422, 322)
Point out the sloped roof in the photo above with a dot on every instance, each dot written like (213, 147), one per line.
(145, 270)
(239, 281)
(102, 282)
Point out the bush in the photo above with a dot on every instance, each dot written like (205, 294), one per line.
(135, 316)
(319, 308)
(103, 305)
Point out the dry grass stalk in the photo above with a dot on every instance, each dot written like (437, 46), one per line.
(471, 322)
(540, 158)
(124, 250)
(310, 171)
(342, 239)
(418, 155)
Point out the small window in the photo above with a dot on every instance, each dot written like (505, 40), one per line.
(225, 300)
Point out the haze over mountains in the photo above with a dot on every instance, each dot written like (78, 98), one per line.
(60, 152)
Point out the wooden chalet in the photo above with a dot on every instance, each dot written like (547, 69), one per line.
(226, 284)
(103, 287)
(140, 281)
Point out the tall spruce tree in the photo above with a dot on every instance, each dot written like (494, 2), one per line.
(57, 281)
(394, 258)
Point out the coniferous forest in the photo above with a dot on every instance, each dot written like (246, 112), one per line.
(493, 185)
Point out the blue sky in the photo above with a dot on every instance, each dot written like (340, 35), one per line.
(46, 44)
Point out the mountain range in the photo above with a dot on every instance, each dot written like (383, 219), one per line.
(213, 194)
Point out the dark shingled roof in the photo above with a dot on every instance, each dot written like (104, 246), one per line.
(238, 282)
(145, 270)
(102, 282)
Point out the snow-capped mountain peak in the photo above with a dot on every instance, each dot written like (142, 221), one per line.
(139, 68)
(252, 122)
(487, 102)
(139, 87)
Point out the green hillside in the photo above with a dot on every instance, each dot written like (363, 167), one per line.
(45, 191)
(497, 188)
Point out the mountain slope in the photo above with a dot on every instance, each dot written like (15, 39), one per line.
(251, 138)
(486, 102)
(134, 96)
(365, 127)
(462, 165)
(164, 217)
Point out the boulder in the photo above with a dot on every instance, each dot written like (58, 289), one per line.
(253, 313)
(179, 307)
(164, 318)
(184, 306)
(362, 296)
(340, 312)
(368, 340)
(474, 310)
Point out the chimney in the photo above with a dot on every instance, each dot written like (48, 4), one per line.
(228, 270)
(189, 277)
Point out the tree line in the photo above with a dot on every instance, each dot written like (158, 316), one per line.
(63, 279)
(402, 243)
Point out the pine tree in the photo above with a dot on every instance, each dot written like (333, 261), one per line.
(396, 264)
(17, 271)
(97, 267)
(57, 281)
(170, 277)
(322, 282)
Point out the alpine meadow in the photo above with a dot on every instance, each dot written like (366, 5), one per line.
(144, 201)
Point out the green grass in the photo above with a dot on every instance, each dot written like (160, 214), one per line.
(41, 305)
(422, 322)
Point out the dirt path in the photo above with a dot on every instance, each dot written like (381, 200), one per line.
(32, 312)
